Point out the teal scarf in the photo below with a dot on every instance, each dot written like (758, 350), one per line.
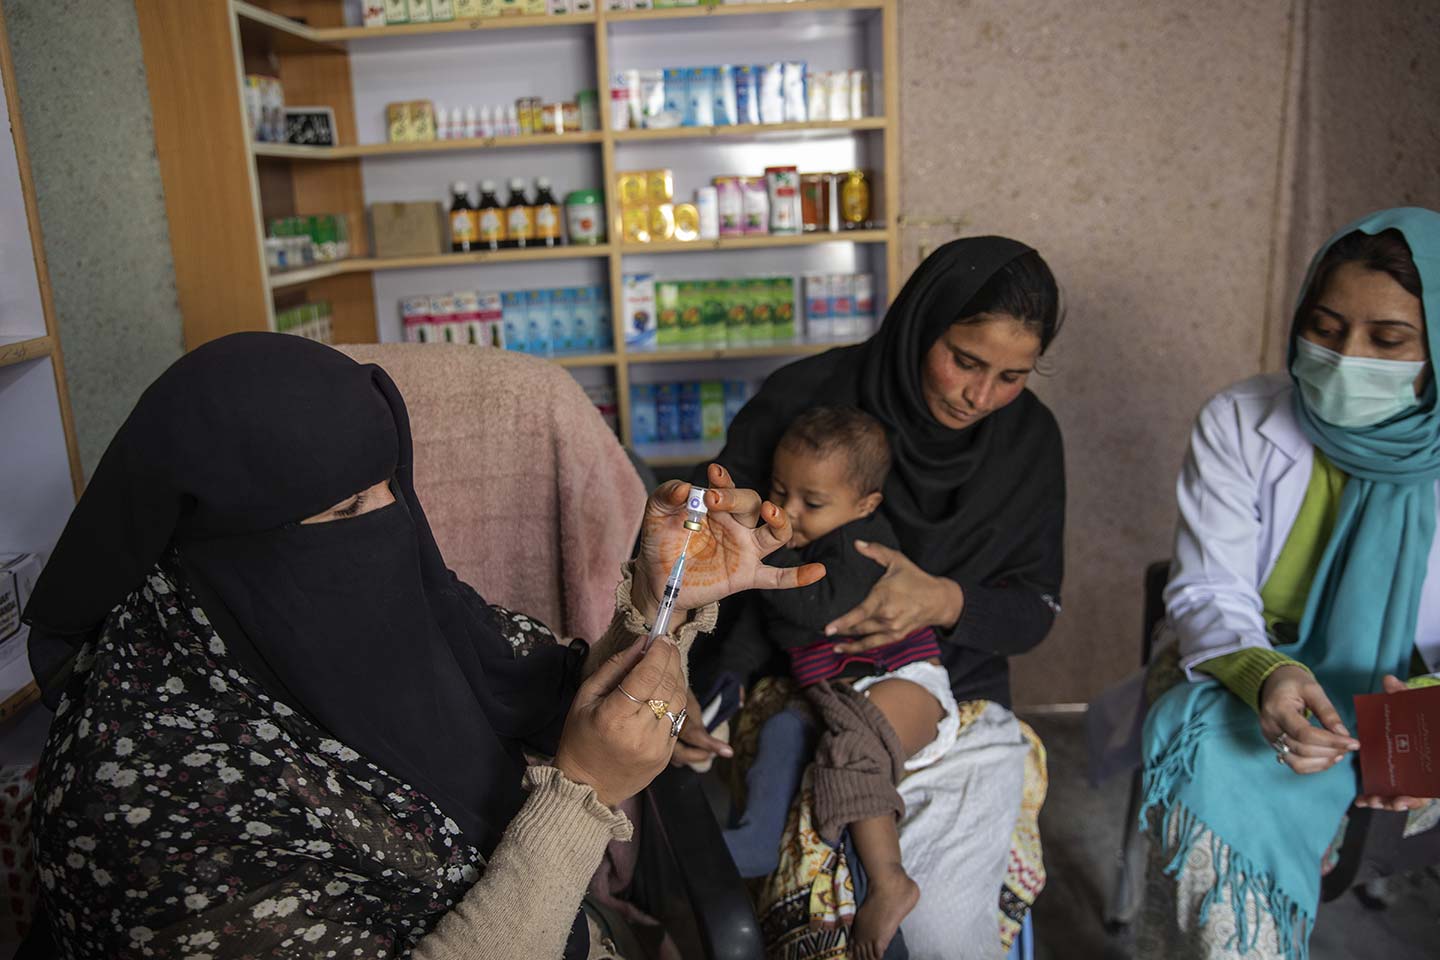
(1207, 765)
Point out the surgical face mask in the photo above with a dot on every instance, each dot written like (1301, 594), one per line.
(1354, 391)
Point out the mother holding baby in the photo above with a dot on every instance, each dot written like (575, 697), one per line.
(976, 498)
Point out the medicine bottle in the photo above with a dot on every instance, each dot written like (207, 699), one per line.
(491, 218)
(519, 217)
(464, 223)
(547, 215)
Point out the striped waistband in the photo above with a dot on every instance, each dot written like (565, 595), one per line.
(819, 661)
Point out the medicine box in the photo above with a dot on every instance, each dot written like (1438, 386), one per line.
(667, 413)
(419, 11)
(714, 294)
(442, 10)
(639, 302)
(397, 11)
(562, 321)
(512, 317)
(712, 410)
(819, 318)
(667, 313)
(642, 413)
(537, 322)
(583, 318)
(18, 573)
(842, 306)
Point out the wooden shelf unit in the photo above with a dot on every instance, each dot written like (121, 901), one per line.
(221, 187)
(40, 471)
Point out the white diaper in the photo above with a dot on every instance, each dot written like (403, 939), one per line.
(936, 681)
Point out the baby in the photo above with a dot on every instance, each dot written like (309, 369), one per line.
(882, 711)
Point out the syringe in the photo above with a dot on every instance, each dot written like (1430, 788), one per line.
(695, 513)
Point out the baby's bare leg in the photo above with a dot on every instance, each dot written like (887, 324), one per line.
(915, 715)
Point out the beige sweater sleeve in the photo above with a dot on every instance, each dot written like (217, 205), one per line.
(523, 905)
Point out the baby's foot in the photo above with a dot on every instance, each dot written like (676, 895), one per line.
(891, 897)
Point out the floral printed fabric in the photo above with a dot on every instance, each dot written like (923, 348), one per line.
(183, 812)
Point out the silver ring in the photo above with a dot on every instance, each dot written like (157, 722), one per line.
(1280, 746)
(677, 722)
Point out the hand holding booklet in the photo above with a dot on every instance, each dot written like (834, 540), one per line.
(1400, 742)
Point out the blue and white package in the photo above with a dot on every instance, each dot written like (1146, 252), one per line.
(667, 413)
(562, 320)
(677, 98)
(700, 97)
(691, 420)
(604, 328)
(512, 320)
(726, 111)
(537, 322)
(642, 412)
(582, 323)
(772, 92)
(747, 95)
(793, 88)
(736, 393)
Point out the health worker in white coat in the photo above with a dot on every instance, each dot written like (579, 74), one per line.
(1301, 578)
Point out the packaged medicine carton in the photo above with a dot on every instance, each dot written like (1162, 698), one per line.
(712, 410)
(582, 320)
(642, 413)
(537, 322)
(819, 318)
(562, 320)
(714, 294)
(512, 306)
(667, 313)
(639, 301)
(491, 316)
(691, 426)
(782, 299)
(842, 306)
(667, 413)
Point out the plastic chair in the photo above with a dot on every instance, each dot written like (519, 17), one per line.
(1374, 845)
(684, 876)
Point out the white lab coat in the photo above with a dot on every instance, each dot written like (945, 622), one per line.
(1239, 493)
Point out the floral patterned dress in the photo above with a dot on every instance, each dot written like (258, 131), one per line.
(183, 812)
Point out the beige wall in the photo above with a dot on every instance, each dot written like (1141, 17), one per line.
(1136, 146)
(1176, 163)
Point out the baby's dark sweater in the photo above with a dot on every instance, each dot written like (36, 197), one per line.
(788, 619)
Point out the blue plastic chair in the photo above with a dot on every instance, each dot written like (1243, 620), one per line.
(1024, 946)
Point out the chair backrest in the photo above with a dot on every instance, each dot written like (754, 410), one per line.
(530, 495)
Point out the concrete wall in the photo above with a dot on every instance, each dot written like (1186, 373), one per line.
(1135, 145)
(86, 110)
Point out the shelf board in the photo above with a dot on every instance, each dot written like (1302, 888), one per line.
(20, 349)
(675, 354)
(348, 34)
(739, 9)
(287, 151)
(291, 278)
(758, 241)
(679, 454)
(285, 34)
(585, 359)
(747, 130)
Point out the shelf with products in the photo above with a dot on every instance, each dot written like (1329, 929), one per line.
(291, 278)
(351, 35)
(749, 131)
(20, 349)
(739, 9)
(679, 454)
(285, 151)
(756, 241)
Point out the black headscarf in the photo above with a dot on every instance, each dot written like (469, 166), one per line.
(980, 505)
(356, 623)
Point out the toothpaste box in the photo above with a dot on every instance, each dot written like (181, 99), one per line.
(639, 300)
(642, 412)
(537, 322)
(562, 320)
(691, 423)
(512, 319)
(819, 309)
(842, 306)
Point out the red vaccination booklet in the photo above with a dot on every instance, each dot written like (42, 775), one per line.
(1400, 742)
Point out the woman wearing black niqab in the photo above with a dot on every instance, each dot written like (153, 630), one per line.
(284, 727)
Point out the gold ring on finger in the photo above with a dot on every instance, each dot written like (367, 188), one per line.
(657, 707)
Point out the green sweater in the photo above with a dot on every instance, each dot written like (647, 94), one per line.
(1287, 589)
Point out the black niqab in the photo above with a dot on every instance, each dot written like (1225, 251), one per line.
(355, 622)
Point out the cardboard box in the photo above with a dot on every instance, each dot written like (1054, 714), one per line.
(415, 229)
(18, 573)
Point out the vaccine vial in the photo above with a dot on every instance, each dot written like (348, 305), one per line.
(695, 509)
